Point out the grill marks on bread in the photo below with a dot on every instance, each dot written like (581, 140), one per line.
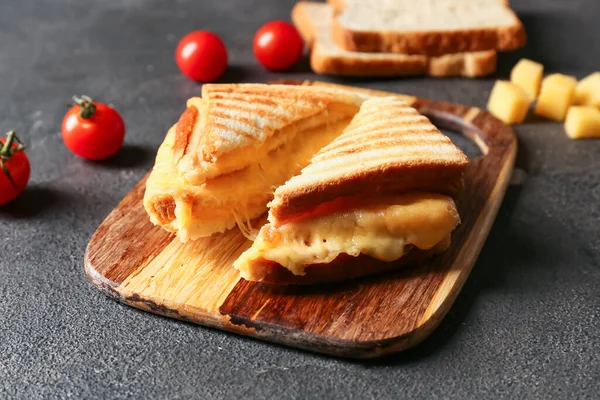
(249, 114)
(388, 148)
(353, 143)
(240, 118)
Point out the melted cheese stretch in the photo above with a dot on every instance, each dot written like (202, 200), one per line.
(380, 230)
(223, 201)
(195, 171)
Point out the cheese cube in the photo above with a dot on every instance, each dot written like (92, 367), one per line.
(508, 102)
(588, 90)
(528, 75)
(556, 96)
(583, 122)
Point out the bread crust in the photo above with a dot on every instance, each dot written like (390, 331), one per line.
(324, 64)
(469, 64)
(410, 100)
(162, 206)
(223, 132)
(343, 268)
(337, 5)
(185, 126)
(387, 149)
(442, 177)
(429, 43)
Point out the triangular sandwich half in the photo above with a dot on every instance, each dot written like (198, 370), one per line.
(221, 162)
(380, 192)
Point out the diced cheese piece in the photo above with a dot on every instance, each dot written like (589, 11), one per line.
(508, 102)
(528, 76)
(583, 122)
(588, 90)
(556, 96)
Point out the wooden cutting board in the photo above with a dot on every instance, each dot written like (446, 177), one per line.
(139, 264)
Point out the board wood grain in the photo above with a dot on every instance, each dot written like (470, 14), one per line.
(140, 264)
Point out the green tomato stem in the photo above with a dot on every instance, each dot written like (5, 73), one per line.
(8, 151)
(87, 106)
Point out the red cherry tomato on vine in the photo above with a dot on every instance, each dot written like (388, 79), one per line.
(92, 130)
(201, 56)
(14, 168)
(277, 45)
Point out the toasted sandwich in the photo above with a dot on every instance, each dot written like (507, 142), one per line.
(220, 164)
(378, 196)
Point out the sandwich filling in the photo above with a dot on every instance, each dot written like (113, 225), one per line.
(381, 229)
(218, 204)
(195, 170)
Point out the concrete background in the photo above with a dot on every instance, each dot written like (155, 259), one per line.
(526, 325)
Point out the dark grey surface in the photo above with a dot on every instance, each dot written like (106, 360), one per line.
(526, 325)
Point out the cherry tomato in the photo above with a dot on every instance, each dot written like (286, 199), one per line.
(278, 45)
(201, 56)
(92, 130)
(14, 168)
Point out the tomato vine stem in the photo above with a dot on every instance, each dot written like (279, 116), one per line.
(88, 108)
(7, 151)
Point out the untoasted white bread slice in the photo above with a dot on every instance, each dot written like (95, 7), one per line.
(338, 5)
(429, 27)
(234, 125)
(313, 21)
(388, 149)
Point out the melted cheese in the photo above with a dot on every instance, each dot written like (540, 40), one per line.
(380, 230)
(221, 202)
(196, 171)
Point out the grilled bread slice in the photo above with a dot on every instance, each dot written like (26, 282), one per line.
(388, 148)
(381, 190)
(429, 27)
(234, 125)
(313, 21)
(220, 164)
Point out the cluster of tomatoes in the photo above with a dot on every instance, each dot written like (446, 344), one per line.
(202, 56)
(95, 131)
(92, 130)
